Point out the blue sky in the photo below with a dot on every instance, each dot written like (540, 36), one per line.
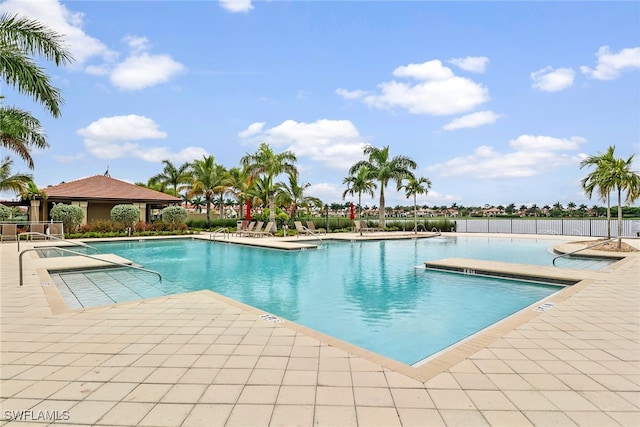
(497, 102)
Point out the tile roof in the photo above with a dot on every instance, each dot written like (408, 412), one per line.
(102, 187)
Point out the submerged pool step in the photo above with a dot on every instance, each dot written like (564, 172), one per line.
(107, 286)
(534, 273)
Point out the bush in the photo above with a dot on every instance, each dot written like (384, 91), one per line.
(70, 216)
(127, 215)
(5, 213)
(174, 215)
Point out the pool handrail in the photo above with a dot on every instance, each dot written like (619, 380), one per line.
(582, 249)
(222, 230)
(313, 234)
(435, 230)
(87, 256)
(49, 236)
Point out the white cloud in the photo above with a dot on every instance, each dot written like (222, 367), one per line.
(327, 192)
(141, 69)
(335, 143)
(253, 129)
(530, 143)
(354, 94)
(532, 155)
(60, 19)
(610, 65)
(236, 6)
(111, 138)
(550, 80)
(473, 120)
(475, 64)
(438, 92)
(68, 158)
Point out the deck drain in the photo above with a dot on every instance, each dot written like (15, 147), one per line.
(270, 318)
(544, 307)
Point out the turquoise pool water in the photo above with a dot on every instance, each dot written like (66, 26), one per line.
(366, 293)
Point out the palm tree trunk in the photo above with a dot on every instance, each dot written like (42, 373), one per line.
(272, 211)
(208, 215)
(619, 217)
(608, 216)
(415, 215)
(381, 214)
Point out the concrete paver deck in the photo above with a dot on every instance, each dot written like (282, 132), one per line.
(202, 359)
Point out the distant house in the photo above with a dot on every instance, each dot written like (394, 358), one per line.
(97, 195)
(491, 212)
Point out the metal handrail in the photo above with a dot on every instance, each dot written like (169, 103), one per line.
(220, 230)
(87, 256)
(581, 249)
(435, 230)
(49, 236)
(313, 234)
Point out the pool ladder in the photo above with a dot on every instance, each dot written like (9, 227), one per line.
(222, 230)
(49, 236)
(120, 264)
(582, 249)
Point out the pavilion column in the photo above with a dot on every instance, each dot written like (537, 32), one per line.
(34, 211)
(143, 211)
(85, 209)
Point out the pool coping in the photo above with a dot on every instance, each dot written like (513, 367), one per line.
(423, 370)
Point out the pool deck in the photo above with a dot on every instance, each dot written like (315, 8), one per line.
(202, 359)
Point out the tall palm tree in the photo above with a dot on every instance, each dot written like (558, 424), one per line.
(292, 194)
(239, 184)
(413, 187)
(32, 192)
(359, 182)
(172, 176)
(595, 180)
(17, 183)
(207, 180)
(265, 162)
(21, 38)
(623, 179)
(19, 132)
(385, 169)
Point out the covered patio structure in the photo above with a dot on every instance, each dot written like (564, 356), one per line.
(97, 195)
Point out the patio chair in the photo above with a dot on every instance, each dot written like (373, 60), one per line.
(256, 229)
(301, 229)
(37, 228)
(312, 227)
(268, 231)
(55, 230)
(9, 232)
(246, 229)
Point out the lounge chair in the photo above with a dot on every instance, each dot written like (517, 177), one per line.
(362, 226)
(312, 227)
(9, 232)
(268, 231)
(246, 229)
(301, 229)
(37, 228)
(251, 230)
(55, 230)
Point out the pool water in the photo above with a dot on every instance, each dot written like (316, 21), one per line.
(367, 293)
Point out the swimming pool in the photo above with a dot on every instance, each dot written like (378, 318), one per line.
(366, 293)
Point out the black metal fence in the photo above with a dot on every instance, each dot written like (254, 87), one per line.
(562, 226)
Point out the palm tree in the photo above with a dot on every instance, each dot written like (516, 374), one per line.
(292, 194)
(239, 184)
(173, 177)
(358, 183)
(207, 180)
(21, 38)
(595, 180)
(612, 173)
(622, 178)
(32, 192)
(265, 162)
(17, 183)
(384, 169)
(413, 187)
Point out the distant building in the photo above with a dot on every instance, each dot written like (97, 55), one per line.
(97, 195)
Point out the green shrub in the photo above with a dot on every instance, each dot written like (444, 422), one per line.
(5, 213)
(70, 216)
(127, 215)
(174, 215)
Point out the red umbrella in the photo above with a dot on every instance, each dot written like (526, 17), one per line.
(247, 214)
(352, 212)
